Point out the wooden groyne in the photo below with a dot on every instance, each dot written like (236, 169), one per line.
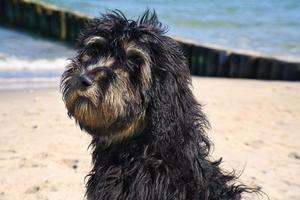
(50, 21)
(46, 20)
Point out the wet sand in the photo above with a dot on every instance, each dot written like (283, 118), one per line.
(255, 128)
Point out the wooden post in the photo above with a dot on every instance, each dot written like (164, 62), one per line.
(212, 62)
(264, 68)
(55, 24)
(291, 71)
(201, 61)
(248, 66)
(277, 70)
(9, 12)
(71, 32)
(234, 65)
(2, 16)
(63, 28)
(193, 66)
(223, 64)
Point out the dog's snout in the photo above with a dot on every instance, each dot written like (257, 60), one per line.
(85, 81)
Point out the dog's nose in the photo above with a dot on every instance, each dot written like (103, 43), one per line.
(85, 81)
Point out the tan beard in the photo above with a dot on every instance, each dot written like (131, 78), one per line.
(97, 112)
(86, 114)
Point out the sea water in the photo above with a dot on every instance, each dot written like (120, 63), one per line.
(27, 61)
(270, 27)
(267, 26)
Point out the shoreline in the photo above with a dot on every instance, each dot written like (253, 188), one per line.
(255, 126)
(19, 84)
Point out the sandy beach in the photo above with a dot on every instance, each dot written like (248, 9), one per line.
(255, 128)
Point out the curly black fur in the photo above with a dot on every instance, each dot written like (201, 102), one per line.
(168, 159)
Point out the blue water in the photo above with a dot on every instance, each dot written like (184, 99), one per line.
(27, 61)
(268, 26)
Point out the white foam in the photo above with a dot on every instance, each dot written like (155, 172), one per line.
(16, 73)
(27, 61)
(12, 63)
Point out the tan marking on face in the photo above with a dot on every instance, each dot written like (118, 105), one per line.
(94, 39)
(90, 93)
(84, 113)
(103, 62)
(87, 114)
(85, 58)
(115, 94)
(69, 99)
(83, 110)
(145, 68)
(102, 113)
(134, 128)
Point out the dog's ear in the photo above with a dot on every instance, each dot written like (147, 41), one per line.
(171, 77)
(170, 64)
(172, 101)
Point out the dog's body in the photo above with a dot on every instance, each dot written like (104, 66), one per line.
(129, 88)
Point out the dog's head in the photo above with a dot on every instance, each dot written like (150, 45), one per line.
(109, 84)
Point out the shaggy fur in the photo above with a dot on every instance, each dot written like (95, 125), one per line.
(129, 88)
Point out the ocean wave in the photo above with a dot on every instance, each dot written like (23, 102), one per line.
(12, 63)
(268, 27)
(27, 61)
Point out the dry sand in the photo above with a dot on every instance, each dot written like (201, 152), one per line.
(255, 128)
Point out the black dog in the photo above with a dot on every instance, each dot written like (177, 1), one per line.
(129, 88)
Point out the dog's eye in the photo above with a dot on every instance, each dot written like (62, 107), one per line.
(94, 50)
(135, 58)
